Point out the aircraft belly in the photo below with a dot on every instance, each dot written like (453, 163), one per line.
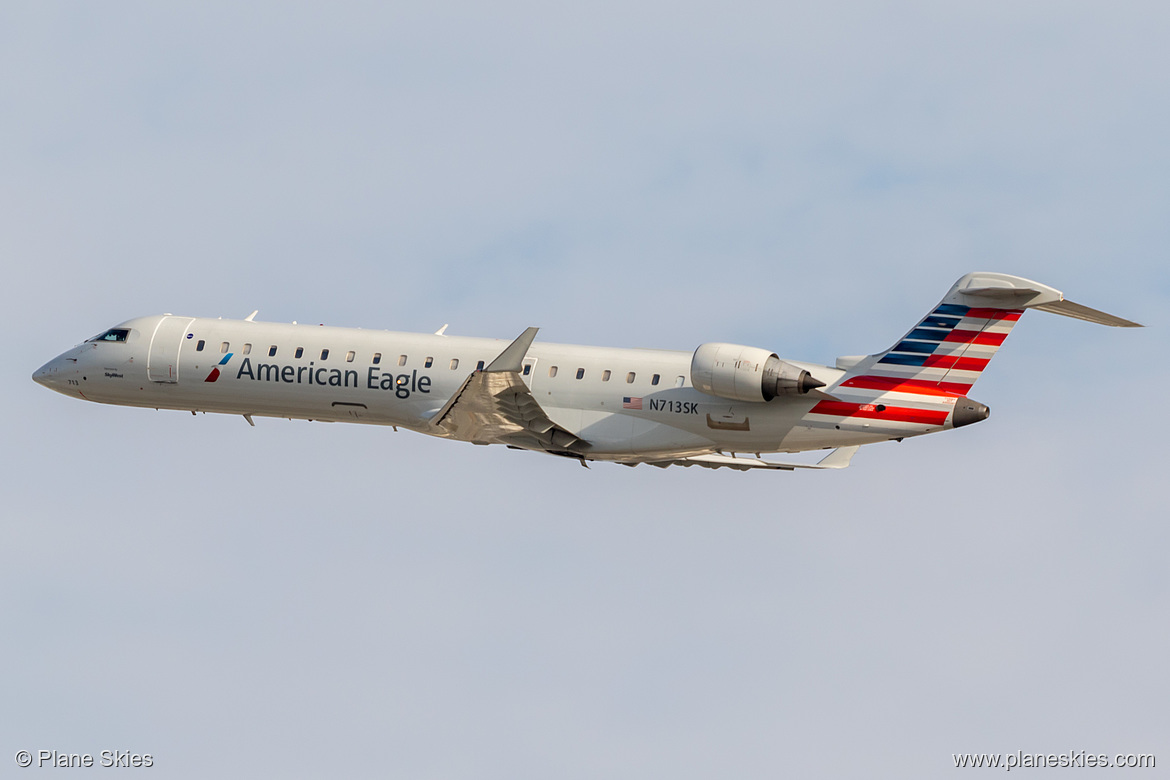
(804, 437)
(620, 434)
(677, 425)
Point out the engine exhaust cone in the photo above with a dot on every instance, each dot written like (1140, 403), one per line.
(809, 382)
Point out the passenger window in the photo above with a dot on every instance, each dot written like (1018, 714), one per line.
(272, 351)
(552, 371)
(679, 381)
(630, 378)
(429, 362)
(402, 360)
(527, 369)
(199, 346)
(324, 354)
(479, 366)
(349, 356)
(300, 351)
(377, 358)
(654, 379)
(454, 363)
(605, 375)
(223, 348)
(580, 373)
(247, 349)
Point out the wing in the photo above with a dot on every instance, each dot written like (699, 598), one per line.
(837, 459)
(494, 406)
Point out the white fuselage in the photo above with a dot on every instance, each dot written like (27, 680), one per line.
(403, 379)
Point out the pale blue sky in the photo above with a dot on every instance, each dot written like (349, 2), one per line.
(313, 600)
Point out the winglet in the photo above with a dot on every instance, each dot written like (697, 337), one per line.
(250, 317)
(512, 358)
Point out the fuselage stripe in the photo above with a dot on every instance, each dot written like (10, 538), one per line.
(870, 411)
(898, 385)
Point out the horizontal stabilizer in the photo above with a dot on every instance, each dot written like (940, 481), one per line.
(839, 458)
(1077, 311)
(1015, 292)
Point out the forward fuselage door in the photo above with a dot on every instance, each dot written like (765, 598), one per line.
(162, 362)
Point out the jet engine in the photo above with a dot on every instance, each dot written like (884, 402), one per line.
(747, 373)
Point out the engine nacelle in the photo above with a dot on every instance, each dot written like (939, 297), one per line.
(747, 373)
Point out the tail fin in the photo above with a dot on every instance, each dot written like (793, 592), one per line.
(949, 348)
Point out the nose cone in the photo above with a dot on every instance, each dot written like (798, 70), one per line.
(43, 375)
(52, 374)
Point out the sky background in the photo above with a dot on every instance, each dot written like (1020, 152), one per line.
(311, 600)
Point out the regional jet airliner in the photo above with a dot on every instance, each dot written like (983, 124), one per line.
(723, 405)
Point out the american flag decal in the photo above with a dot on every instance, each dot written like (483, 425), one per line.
(632, 403)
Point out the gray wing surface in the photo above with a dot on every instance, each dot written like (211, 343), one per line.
(494, 406)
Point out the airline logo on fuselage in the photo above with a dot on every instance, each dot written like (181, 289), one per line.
(214, 375)
(403, 385)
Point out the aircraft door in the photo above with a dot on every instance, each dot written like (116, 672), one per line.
(162, 362)
(529, 371)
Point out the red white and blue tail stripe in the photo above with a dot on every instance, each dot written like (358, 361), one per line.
(916, 385)
(946, 352)
(920, 384)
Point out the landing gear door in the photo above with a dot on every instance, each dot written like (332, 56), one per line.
(162, 362)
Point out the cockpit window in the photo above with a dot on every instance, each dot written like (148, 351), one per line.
(114, 334)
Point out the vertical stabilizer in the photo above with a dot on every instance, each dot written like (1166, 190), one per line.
(952, 345)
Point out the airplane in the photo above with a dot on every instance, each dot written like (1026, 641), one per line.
(722, 406)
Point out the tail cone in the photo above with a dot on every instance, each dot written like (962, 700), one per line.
(968, 411)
